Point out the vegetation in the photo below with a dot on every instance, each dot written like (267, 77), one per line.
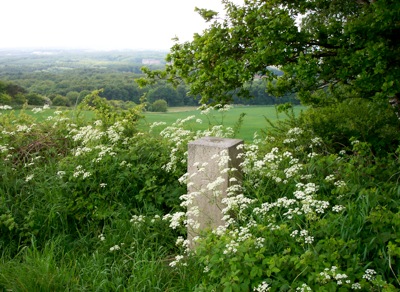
(86, 204)
(102, 204)
(328, 51)
(64, 78)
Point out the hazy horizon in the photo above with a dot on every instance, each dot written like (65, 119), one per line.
(101, 25)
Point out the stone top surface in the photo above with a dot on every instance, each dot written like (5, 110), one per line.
(216, 142)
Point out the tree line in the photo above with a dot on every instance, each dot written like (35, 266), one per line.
(67, 82)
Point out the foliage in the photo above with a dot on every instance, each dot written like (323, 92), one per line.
(159, 105)
(35, 99)
(59, 100)
(107, 113)
(86, 205)
(360, 119)
(74, 74)
(5, 99)
(328, 51)
(305, 219)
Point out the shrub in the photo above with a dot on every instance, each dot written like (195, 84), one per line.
(36, 99)
(305, 219)
(5, 99)
(86, 204)
(369, 121)
(60, 100)
(159, 105)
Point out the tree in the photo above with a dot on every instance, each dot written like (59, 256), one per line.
(35, 99)
(159, 105)
(5, 99)
(60, 100)
(328, 51)
(165, 92)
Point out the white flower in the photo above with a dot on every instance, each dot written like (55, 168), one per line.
(312, 154)
(213, 185)
(175, 219)
(86, 174)
(369, 274)
(37, 110)
(340, 184)
(309, 239)
(303, 288)
(330, 177)
(178, 258)
(29, 177)
(316, 141)
(231, 247)
(289, 140)
(356, 286)
(295, 131)
(338, 208)
(115, 247)
(60, 173)
(137, 219)
(262, 287)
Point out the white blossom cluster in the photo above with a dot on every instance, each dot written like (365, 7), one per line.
(137, 219)
(342, 279)
(80, 171)
(24, 128)
(262, 287)
(303, 288)
(86, 134)
(369, 274)
(332, 274)
(178, 260)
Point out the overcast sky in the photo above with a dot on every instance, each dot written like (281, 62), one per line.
(100, 24)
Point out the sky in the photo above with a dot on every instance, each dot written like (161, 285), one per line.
(100, 24)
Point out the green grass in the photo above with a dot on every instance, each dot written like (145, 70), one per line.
(254, 120)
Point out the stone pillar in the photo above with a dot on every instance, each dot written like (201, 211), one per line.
(208, 180)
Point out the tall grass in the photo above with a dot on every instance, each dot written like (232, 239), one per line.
(86, 205)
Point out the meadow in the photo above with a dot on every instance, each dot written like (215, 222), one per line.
(254, 119)
(98, 202)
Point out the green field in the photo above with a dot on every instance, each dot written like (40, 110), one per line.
(254, 119)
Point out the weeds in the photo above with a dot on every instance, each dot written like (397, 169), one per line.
(87, 206)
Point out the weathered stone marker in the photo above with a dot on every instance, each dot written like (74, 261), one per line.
(208, 180)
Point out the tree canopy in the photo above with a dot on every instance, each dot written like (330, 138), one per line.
(328, 50)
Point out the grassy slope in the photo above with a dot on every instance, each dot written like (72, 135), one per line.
(253, 122)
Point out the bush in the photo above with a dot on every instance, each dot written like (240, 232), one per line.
(85, 205)
(159, 105)
(5, 99)
(60, 100)
(369, 121)
(35, 99)
(305, 219)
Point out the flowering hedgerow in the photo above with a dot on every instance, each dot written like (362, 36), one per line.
(299, 219)
(291, 225)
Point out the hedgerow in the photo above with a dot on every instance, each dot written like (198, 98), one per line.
(87, 205)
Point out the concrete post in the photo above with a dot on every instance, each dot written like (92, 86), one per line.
(208, 180)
